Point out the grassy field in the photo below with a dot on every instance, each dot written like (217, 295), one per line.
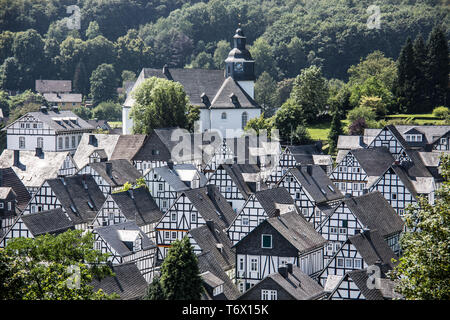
(115, 124)
(320, 131)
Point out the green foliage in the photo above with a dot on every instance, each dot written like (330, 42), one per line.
(83, 112)
(265, 90)
(441, 112)
(93, 30)
(371, 87)
(128, 75)
(221, 53)
(103, 84)
(107, 111)
(39, 268)
(180, 277)
(260, 123)
(159, 103)
(375, 103)
(301, 135)
(155, 290)
(287, 118)
(335, 131)
(10, 74)
(193, 115)
(263, 55)
(4, 103)
(203, 61)
(363, 112)
(423, 272)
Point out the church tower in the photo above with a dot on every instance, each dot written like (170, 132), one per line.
(240, 65)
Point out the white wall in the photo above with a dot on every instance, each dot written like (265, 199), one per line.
(127, 123)
(233, 120)
(249, 87)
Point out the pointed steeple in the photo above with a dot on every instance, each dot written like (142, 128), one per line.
(239, 63)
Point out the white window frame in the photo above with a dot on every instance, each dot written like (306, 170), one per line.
(262, 241)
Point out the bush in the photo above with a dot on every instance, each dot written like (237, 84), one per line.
(441, 112)
(365, 113)
(107, 111)
(301, 135)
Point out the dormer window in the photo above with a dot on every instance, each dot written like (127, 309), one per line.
(266, 241)
(414, 137)
(137, 244)
(218, 290)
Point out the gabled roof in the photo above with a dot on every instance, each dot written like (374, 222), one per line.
(127, 146)
(34, 170)
(397, 135)
(350, 142)
(6, 192)
(309, 154)
(175, 177)
(373, 248)
(63, 97)
(208, 263)
(128, 282)
(276, 201)
(138, 205)
(375, 212)
(212, 239)
(122, 171)
(316, 183)
(52, 222)
(9, 179)
(223, 100)
(60, 121)
(211, 205)
(100, 124)
(238, 173)
(415, 167)
(106, 142)
(112, 236)
(78, 192)
(299, 232)
(53, 86)
(374, 161)
(297, 284)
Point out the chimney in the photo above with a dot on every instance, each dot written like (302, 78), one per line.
(210, 225)
(16, 158)
(205, 100)
(166, 72)
(309, 170)
(289, 267)
(276, 213)
(108, 168)
(283, 270)
(39, 152)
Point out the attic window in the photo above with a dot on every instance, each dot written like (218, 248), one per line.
(73, 208)
(331, 188)
(414, 137)
(90, 205)
(218, 290)
(155, 152)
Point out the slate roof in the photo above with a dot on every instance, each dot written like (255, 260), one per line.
(60, 121)
(316, 183)
(207, 237)
(110, 234)
(127, 146)
(222, 99)
(107, 142)
(9, 179)
(416, 167)
(53, 86)
(276, 198)
(375, 212)
(372, 247)
(211, 205)
(138, 205)
(310, 154)
(51, 222)
(122, 171)
(374, 161)
(75, 192)
(299, 232)
(172, 177)
(34, 170)
(237, 171)
(297, 284)
(100, 124)
(208, 263)
(5, 192)
(63, 97)
(128, 282)
(351, 142)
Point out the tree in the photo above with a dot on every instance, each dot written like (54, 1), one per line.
(405, 85)
(438, 67)
(159, 103)
(193, 115)
(372, 87)
(4, 103)
(221, 53)
(287, 118)
(376, 104)
(301, 135)
(356, 128)
(260, 123)
(310, 91)
(10, 74)
(180, 276)
(103, 84)
(83, 112)
(421, 92)
(203, 61)
(107, 110)
(6, 43)
(80, 79)
(93, 30)
(423, 272)
(42, 268)
(335, 131)
(363, 112)
(262, 53)
(265, 89)
(132, 52)
(128, 75)
(155, 290)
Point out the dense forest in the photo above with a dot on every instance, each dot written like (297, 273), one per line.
(284, 36)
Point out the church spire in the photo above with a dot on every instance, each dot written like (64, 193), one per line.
(239, 63)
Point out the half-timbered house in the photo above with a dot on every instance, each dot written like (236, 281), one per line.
(79, 196)
(391, 138)
(135, 204)
(278, 240)
(312, 191)
(356, 214)
(237, 182)
(95, 147)
(359, 168)
(111, 175)
(360, 251)
(34, 167)
(48, 129)
(289, 283)
(126, 242)
(32, 225)
(166, 182)
(192, 209)
(258, 207)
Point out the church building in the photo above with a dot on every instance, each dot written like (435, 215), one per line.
(225, 97)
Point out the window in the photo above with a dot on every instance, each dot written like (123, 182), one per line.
(297, 195)
(349, 263)
(342, 230)
(111, 216)
(40, 142)
(155, 152)
(98, 245)
(137, 244)
(305, 211)
(218, 290)
(228, 189)
(193, 218)
(340, 262)
(167, 235)
(344, 223)
(9, 206)
(22, 125)
(2, 205)
(174, 217)
(266, 241)
(337, 246)
(268, 294)
(355, 186)
(34, 125)
(443, 140)
(60, 143)
(241, 264)
(28, 126)
(333, 230)
(73, 142)
(244, 119)
(174, 235)
(245, 221)
(67, 142)
(254, 265)
(393, 196)
(160, 187)
(224, 116)
(357, 264)
(21, 142)
(164, 204)
(401, 212)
